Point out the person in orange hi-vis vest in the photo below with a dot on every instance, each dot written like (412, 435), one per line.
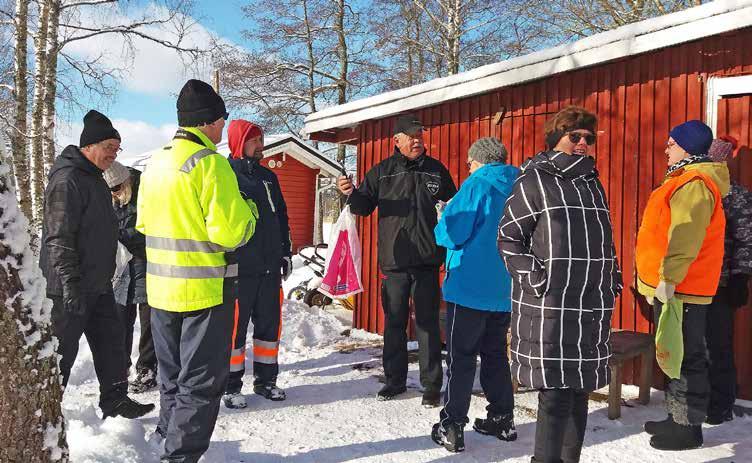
(679, 254)
(263, 262)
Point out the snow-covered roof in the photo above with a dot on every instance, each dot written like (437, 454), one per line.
(664, 31)
(273, 145)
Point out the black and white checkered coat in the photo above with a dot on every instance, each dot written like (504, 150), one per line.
(557, 242)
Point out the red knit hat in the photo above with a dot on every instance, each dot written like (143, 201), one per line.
(238, 132)
(722, 147)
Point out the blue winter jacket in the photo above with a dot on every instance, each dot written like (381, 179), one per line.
(475, 274)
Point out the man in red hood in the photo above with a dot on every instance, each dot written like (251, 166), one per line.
(263, 262)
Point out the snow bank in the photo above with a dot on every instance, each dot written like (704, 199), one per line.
(306, 327)
(115, 440)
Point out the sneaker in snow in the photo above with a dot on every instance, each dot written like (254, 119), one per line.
(451, 437)
(389, 392)
(145, 380)
(679, 437)
(234, 400)
(501, 426)
(431, 399)
(269, 391)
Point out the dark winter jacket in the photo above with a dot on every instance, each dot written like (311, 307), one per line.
(271, 241)
(406, 193)
(556, 240)
(79, 229)
(737, 258)
(134, 241)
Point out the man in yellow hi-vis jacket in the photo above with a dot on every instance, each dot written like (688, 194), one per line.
(193, 216)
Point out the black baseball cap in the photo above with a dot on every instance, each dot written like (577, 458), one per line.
(407, 124)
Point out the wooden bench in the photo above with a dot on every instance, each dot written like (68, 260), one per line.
(627, 345)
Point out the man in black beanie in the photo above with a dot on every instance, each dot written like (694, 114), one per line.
(77, 257)
(193, 215)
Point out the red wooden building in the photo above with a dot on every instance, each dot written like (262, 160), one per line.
(298, 167)
(640, 80)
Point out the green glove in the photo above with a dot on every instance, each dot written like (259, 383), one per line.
(254, 208)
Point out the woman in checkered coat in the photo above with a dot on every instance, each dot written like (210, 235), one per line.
(557, 242)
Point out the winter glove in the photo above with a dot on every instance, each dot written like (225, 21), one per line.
(737, 290)
(74, 303)
(665, 291)
(650, 299)
(286, 267)
(254, 209)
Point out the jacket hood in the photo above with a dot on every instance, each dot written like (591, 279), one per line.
(500, 176)
(73, 157)
(237, 134)
(562, 164)
(717, 171)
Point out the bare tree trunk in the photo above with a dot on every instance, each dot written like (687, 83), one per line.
(311, 59)
(32, 428)
(37, 116)
(18, 139)
(50, 86)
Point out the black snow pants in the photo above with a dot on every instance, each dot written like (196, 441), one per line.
(147, 358)
(105, 334)
(397, 288)
(470, 332)
(258, 302)
(560, 430)
(193, 355)
(687, 397)
(719, 338)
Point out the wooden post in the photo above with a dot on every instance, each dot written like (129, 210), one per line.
(614, 392)
(646, 374)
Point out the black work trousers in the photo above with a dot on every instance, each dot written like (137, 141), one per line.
(470, 332)
(560, 430)
(147, 358)
(687, 397)
(193, 356)
(105, 334)
(397, 289)
(258, 302)
(719, 337)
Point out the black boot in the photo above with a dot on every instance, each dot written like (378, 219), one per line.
(451, 436)
(145, 380)
(389, 392)
(269, 391)
(679, 437)
(715, 418)
(431, 399)
(128, 408)
(501, 426)
(659, 427)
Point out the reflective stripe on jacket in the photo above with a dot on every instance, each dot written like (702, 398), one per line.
(192, 213)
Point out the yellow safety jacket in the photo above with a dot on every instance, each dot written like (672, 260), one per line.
(192, 213)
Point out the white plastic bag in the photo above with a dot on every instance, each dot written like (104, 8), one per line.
(342, 272)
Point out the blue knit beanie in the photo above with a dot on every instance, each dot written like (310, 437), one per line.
(693, 136)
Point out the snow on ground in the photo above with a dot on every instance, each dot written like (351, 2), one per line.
(331, 414)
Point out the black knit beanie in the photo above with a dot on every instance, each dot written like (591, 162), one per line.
(199, 104)
(97, 127)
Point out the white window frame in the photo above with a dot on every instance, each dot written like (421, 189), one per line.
(718, 87)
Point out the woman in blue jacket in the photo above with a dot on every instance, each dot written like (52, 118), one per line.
(477, 291)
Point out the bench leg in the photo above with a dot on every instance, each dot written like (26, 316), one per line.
(646, 375)
(614, 393)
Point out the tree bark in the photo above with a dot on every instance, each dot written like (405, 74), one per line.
(32, 428)
(50, 86)
(18, 140)
(37, 116)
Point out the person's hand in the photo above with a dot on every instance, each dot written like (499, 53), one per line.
(738, 290)
(73, 302)
(440, 206)
(650, 299)
(345, 185)
(286, 267)
(665, 291)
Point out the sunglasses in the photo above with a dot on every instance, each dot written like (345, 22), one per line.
(575, 138)
(116, 188)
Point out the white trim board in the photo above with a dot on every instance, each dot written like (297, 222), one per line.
(718, 87)
(652, 34)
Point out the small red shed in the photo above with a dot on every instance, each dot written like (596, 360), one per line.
(640, 79)
(299, 167)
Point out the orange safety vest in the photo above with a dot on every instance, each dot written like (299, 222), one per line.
(652, 239)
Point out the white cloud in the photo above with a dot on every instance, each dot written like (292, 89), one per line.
(137, 137)
(153, 68)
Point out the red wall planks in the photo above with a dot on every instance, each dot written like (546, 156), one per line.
(637, 100)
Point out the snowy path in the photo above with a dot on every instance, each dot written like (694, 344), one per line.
(331, 416)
